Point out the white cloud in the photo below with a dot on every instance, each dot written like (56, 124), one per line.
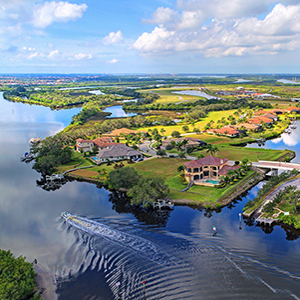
(50, 12)
(224, 34)
(53, 54)
(113, 61)
(83, 56)
(113, 38)
(163, 15)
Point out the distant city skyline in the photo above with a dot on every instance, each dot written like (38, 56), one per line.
(138, 37)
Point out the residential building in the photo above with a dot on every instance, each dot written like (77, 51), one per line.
(117, 152)
(247, 127)
(226, 130)
(84, 145)
(206, 168)
(191, 142)
(87, 145)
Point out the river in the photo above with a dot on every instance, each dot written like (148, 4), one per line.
(241, 262)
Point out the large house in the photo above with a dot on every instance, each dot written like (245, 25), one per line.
(117, 152)
(226, 130)
(292, 109)
(87, 145)
(84, 145)
(206, 168)
(191, 142)
(261, 120)
(247, 127)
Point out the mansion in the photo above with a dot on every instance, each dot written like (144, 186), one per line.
(206, 168)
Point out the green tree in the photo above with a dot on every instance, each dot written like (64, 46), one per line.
(125, 178)
(50, 153)
(180, 169)
(181, 154)
(212, 149)
(17, 278)
(95, 150)
(185, 128)
(161, 152)
(147, 191)
(175, 134)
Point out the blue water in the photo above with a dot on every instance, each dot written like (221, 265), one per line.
(118, 112)
(242, 261)
(212, 181)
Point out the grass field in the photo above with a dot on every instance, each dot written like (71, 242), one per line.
(239, 153)
(77, 158)
(166, 169)
(214, 116)
(166, 95)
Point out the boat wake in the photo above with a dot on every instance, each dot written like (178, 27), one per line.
(142, 246)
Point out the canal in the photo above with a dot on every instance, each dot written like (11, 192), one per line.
(241, 262)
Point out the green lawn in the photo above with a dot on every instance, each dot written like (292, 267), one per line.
(77, 158)
(239, 153)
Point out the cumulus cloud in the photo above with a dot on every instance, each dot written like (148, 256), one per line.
(113, 61)
(113, 38)
(228, 32)
(50, 12)
(83, 56)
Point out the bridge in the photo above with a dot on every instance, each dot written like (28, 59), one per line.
(276, 165)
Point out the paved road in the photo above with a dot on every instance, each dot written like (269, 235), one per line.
(276, 165)
(271, 196)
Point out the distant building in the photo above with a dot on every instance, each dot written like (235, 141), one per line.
(191, 142)
(226, 130)
(119, 132)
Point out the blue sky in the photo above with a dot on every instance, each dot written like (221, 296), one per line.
(166, 36)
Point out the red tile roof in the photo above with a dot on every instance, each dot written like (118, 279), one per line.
(226, 168)
(206, 161)
(83, 141)
(103, 142)
(224, 130)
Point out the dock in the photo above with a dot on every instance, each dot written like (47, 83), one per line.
(163, 204)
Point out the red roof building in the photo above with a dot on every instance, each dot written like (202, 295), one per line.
(228, 131)
(209, 167)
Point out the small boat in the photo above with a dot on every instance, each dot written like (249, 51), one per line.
(33, 141)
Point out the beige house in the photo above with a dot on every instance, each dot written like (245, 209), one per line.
(206, 169)
(84, 145)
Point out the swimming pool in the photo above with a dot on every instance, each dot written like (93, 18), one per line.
(212, 181)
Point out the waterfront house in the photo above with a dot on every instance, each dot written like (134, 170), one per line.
(117, 152)
(206, 170)
(103, 142)
(84, 145)
(87, 145)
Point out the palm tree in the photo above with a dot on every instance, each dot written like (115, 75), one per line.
(178, 146)
(212, 149)
(230, 174)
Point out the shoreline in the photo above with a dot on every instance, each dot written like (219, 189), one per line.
(241, 188)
